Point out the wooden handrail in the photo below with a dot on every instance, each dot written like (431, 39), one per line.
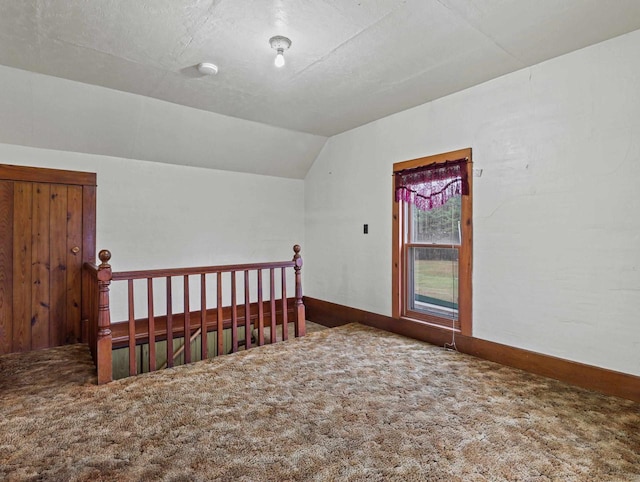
(160, 273)
(177, 353)
(91, 268)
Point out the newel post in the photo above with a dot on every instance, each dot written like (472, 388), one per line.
(103, 341)
(300, 326)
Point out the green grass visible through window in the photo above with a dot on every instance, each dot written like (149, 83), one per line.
(437, 280)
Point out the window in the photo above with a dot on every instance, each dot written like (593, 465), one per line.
(432, 240)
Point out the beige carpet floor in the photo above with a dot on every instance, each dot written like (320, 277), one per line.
(350, 403)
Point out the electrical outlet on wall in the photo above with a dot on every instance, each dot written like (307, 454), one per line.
(365, 230)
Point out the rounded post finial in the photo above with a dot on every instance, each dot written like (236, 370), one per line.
(105, 256)
(296, 257)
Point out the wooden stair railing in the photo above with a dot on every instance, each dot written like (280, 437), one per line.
(100, 337)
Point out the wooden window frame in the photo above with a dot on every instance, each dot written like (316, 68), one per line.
(465, 251)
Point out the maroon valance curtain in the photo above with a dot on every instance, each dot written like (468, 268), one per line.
(431, 186)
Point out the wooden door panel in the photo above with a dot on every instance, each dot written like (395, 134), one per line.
(22, 216)
(58, 265)
(6, 266)
(40, 264)
(47, 232)
(75, 256)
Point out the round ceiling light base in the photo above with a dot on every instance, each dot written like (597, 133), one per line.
(279, 42)
(207, 68)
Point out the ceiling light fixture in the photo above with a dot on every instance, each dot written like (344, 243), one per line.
(207, 68)
(279, 44)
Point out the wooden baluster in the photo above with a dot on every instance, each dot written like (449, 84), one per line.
(300, 326)
(152, 326)
(247, 311)
(203, 317)
(103, 335)
(133, 369)
(187, 322)
(285, 309)
(169, 323)
(272, 305)
(260, 311)
(220, 321)
(234, 314)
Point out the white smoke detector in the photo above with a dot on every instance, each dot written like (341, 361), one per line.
(207, 68)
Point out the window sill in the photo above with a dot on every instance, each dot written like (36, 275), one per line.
(435, 323)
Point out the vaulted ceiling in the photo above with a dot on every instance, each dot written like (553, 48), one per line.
(351, 61)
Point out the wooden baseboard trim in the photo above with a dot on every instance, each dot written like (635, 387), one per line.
(601, 380)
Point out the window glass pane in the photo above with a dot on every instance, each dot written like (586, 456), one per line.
(441, 225)
(433, 281)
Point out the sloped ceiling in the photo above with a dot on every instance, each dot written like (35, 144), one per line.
(351, 61)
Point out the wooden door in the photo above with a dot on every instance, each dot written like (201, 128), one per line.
(47, 232)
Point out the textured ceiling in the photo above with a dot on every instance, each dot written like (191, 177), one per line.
(351, 62)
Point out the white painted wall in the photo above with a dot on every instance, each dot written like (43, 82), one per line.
(154, 215)
(42, 111)
(556, 224)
